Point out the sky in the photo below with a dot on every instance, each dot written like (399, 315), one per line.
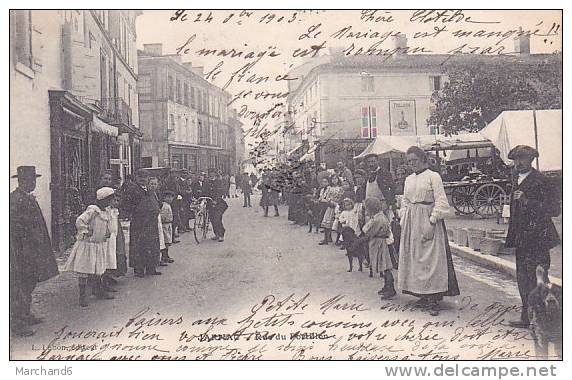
(290, 33)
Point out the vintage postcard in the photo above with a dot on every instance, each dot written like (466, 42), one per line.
(286, 185)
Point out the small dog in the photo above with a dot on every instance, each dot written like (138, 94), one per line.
(355, 247)
(545, 315)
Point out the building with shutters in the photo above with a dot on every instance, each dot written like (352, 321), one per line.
(341, 102)
(185, 120)
(73, 105)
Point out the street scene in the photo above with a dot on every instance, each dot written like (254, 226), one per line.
(286, 185)
(280, 260)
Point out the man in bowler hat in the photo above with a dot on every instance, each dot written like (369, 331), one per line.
(31, 257)
(142, 208)
(531, 231)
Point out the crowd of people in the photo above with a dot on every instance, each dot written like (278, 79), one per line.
(392, 223)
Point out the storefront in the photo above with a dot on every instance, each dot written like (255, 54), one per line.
(104, 150)
(184, 157)
(70, 122)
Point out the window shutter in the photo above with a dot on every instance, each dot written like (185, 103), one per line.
(373, 122)
(364, 122)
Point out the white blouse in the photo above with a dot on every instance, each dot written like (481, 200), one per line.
(426, 187)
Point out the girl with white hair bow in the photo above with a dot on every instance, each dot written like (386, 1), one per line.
(88, 257)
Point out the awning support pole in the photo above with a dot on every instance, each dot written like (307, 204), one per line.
(535, 137)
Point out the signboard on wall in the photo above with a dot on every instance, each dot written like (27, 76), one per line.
(402, 120)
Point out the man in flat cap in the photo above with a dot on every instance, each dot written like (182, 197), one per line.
(31, 256)
(531, 231)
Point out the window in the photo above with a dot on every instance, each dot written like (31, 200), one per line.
(435, 82)
(170, 88)
(179, 98)
(367, 83)
(368, 122)
(103, 77)
(187, 131)
(22, 33)
(144, 84)
(186, 94)
(90, 43)
(214, 138)
(178, 132)
(204, 133)
(171, 124)
(193, 97)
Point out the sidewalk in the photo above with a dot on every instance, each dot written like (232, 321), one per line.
(505, 262)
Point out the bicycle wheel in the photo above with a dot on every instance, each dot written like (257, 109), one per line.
(198, 225)
(206, 224)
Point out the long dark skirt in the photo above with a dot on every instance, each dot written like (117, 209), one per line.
(453, 285)
(295, 206)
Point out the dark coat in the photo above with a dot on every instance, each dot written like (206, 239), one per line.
(31, 258)
(245, 184)
(215, 190)
(531, 226)
(270, 195)
(385, 183)
(143, 210)
(196, 189)
(360, 193)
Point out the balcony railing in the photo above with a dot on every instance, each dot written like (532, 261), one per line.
(116, 111)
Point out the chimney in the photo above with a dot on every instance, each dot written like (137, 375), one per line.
(522, 43)
(199, 70)
(153, 49)
(399, 44)
(337, 50)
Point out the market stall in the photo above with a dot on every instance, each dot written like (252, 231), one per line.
(472, 193)
(541, 129)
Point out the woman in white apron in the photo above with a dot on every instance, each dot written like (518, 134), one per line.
(425, 263)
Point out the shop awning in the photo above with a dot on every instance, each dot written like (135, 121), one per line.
(294, 150)
(101, 126)
(541, 129)
(309, 156)
(399, 144)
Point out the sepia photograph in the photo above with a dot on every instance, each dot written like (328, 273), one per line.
(280, 185)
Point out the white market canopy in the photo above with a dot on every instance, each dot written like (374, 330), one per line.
(512, 128)
(384, 145)
(309, 156)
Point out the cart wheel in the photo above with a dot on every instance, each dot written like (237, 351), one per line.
(488, 200)
(462, 198)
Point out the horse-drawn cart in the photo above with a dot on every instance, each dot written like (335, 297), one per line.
(482, 195)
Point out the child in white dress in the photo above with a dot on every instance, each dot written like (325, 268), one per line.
(166, 216)
(349, 217)
(88, 257)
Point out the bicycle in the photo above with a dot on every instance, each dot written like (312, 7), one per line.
(202, 225)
